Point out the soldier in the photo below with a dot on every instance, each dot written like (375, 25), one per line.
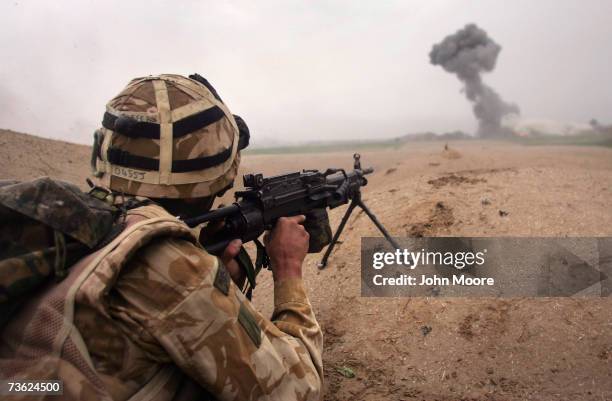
(151, 315)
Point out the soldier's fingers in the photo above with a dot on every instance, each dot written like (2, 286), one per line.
(231, 251)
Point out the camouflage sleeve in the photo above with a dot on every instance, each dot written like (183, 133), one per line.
(293, 315)
(179, 304)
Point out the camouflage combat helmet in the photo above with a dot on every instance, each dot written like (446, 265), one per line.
(168, 136)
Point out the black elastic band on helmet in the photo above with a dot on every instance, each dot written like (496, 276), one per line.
(204, 81)
(196, 121)
(201, 163)
(126, 159)
(133, 128)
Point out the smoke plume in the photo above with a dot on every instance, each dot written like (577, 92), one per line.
(468, 53)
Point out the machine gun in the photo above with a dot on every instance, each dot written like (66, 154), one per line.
(266, 199)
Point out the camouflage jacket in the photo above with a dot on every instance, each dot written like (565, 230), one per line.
(172, 322)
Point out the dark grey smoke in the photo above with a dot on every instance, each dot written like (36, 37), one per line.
(468, 53)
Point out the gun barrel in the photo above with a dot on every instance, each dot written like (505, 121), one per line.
(338, 178)
(216, 214)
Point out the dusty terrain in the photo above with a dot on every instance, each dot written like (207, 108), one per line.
(431, 348)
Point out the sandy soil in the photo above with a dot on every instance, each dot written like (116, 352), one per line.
(431, 348)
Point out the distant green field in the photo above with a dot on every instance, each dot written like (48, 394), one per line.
(573, 140)
(325, 147)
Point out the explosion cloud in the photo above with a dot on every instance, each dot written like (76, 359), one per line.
(468, 53)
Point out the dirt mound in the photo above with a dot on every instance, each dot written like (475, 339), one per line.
(453, 179)
(440, 217)
(450, 154)
(24, 157)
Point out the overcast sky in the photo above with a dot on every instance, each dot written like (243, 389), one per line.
(301, 70)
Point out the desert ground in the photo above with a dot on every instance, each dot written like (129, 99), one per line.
(436, 348)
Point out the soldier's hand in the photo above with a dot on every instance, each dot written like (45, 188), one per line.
(287, 246)
(236, 272)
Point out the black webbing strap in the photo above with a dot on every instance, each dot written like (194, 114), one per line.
(133, 128)
(252, 270)
(262, 260)
(126, 159)
(245, 263)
